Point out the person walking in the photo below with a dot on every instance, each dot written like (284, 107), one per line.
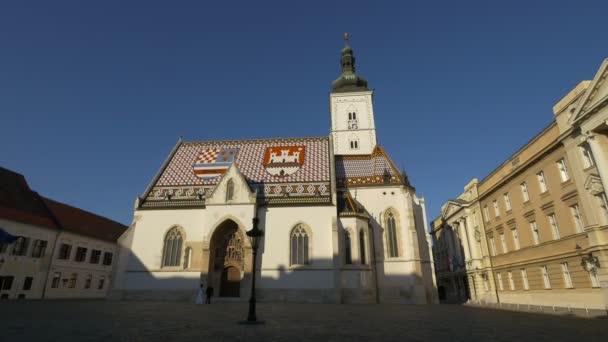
(208, 293)
(199, 295)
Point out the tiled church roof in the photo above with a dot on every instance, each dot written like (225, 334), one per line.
(365, 170)
(178, 185)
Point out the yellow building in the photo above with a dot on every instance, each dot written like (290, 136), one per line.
(60, 251)
(545, 212)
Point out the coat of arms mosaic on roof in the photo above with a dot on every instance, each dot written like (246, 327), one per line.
(285, 170)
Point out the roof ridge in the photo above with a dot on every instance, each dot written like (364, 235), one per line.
(252, 140)
(79, 209)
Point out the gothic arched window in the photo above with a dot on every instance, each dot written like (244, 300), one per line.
(362, 247)
(348, 248)
(172, 251)
(299, 246)
(391, 236)
(229, 190)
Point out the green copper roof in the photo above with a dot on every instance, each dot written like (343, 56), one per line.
(349, 80)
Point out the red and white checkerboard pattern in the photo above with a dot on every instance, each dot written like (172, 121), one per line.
(249, 159)
(208, 156)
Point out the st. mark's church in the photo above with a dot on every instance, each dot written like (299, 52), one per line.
(341, 223)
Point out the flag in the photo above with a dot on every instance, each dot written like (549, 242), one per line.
(6, 237)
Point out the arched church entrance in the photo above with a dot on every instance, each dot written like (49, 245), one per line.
(227, 259)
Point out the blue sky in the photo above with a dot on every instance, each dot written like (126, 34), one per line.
(93, 95)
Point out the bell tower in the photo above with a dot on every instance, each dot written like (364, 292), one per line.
(352, 111)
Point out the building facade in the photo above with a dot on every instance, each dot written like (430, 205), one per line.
(341, 223)
(462, 262)
(545, 212)
(60, 251)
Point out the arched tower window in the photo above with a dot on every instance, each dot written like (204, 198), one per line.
(354, 142)
(348, 248)
(229, 190)
(172, 251)
(299, 246)
(362, 247)
(391, 236)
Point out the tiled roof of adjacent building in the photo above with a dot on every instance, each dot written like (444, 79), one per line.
(19, 203)
(280, 170)
(365, 170)
(82, 222)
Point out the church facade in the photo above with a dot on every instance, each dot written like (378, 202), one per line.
(341, 223)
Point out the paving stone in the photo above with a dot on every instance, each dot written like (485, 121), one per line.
(166, 321)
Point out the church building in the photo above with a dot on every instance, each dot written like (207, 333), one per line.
(341, 223)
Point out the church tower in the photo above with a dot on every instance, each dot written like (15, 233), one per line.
(352, 111)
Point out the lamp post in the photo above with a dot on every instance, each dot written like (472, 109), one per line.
(255, 236)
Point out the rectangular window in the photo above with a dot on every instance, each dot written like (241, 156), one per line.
(576, 216)
(39, 248)
(486, 214)
(492, 246)
(542, 182)
(563, 170)
(81, 254)
(6, 282)
(587, 155)
(524, 279)
(95, 256)
(64, 251)
(102, 280)
(73, 278)
(554, 227)
(566, 274)
(545, 273)
(535, 232)
(20, 247)
(486, 282)
(496, 209)
(56, 280)
(503, 242)
(27, 283)
(524, 191)
(507, 201)
(511, 282)
(87, 281)
(3, 247)
(603, 201)
(500, 284)
(515, 238)
(595, 281)
(107, 258)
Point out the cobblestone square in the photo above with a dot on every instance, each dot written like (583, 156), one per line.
(162, 321)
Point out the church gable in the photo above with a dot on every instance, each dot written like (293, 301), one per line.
(232, 188)
(365, 170)
(280, 170)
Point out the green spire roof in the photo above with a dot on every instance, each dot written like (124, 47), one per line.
(349, 80)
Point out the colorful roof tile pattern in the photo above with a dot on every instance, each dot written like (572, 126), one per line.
(364, 170)
(304, 174)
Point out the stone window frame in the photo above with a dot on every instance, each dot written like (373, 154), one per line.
(348, 246)
(364, 256)
(179, 264)
(230, 190)
(562, 169)
(391, 212)
(309, 236)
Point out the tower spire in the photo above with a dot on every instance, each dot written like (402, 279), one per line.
(349, 80)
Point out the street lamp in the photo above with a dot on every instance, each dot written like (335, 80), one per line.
(255, 236)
